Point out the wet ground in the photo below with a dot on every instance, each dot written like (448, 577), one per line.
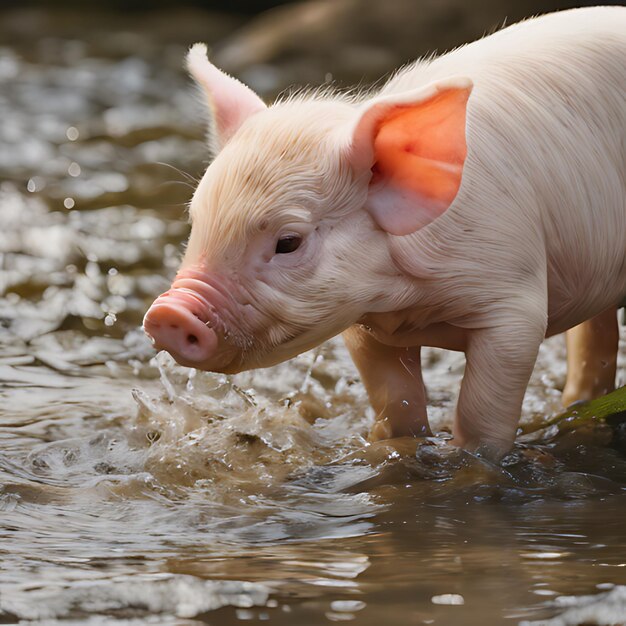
(134, 491)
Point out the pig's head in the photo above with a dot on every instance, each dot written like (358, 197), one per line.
(291, 222)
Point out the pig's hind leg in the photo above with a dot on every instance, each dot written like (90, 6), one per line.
(591, 358)
(393, 379)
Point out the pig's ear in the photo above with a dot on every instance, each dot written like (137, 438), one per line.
(413, 144)
(230, 101)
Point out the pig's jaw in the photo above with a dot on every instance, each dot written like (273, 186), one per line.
(201, 324)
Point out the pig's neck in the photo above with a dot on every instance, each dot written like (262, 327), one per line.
(415, 327)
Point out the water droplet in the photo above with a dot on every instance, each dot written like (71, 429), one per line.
(36, 183)
(92, 270)
(544, 555)
(72, 133)
(449, 599)
(244, 614)
(544, 592)
(69, 203)
(605, 585)
(347, 605)
(74, 169)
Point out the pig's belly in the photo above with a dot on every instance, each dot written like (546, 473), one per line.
(571, 301)
(565, 320)
(578, 297)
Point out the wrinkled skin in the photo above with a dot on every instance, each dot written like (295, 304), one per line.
(450, 209)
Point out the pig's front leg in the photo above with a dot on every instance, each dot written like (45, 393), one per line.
(591, 358)
(393, 379)
(500, 360)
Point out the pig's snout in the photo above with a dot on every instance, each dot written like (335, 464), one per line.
(183, 321)
(173, 326)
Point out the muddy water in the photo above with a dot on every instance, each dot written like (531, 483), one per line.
(134, 491)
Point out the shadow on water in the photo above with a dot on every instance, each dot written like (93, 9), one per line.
(134, 491)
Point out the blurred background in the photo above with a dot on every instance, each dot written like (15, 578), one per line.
(97, 118)
(199, 492)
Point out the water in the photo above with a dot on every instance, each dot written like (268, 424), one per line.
(134, 491)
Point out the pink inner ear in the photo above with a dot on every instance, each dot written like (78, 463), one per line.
(419, 152)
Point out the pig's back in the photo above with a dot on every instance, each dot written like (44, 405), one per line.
(543, 40)
(546, 135)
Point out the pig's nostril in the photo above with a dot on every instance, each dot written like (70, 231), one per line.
(192, 339)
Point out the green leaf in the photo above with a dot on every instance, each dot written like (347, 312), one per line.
(602, 409)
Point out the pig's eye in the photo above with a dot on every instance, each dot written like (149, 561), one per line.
(288, 243)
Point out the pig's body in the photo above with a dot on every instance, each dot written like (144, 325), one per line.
(536, 230)
(398, 251)
(555, 88)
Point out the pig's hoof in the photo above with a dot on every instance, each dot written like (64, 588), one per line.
(385, 429)
(381, 430)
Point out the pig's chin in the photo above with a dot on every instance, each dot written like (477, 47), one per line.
(223, 365)
(233, 363)
(289, 348)
(229, 359)
(243, 362)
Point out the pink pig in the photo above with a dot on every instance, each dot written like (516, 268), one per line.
(476, 202)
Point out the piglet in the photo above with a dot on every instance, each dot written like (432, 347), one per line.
(476, 202)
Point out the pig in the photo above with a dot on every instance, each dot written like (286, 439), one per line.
(475, 202)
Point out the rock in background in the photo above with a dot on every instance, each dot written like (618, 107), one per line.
(359, 41)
